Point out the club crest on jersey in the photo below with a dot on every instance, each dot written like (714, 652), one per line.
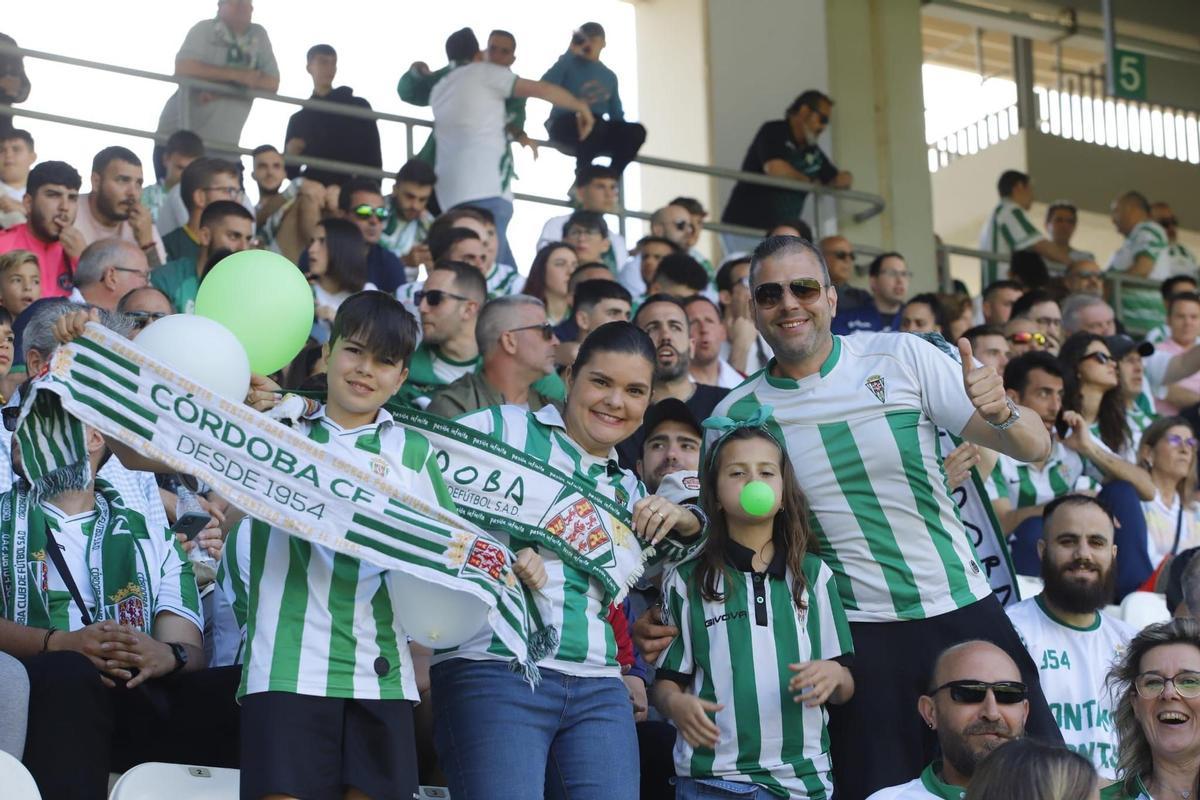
(379, 466)
(487, 557)
(579, 526)
(130, 607)
(878, 388)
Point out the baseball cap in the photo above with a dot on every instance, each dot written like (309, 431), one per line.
(669, 410)
(1122, 345)
(680, 487)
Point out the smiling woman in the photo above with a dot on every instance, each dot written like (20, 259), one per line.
(1158, 714)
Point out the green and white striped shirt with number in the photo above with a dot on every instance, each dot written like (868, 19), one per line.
(736, 652)
(1025, 486)
(571, 601)
(314, 621)
(862, 437)
(1006, 231)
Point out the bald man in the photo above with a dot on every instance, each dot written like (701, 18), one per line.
(976, 702)
(109, 269)
(1145, 252)
(839, 255)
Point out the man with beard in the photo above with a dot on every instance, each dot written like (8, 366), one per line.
(114, 210)
(976, 703)
(51, 204)
(1070, 640)
(664, 318)
(672, 443)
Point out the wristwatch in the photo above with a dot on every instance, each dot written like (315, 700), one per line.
(1012, 417)
(181, 656)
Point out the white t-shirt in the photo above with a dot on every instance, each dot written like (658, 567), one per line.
(469, 117)
(552, 231)
(1072, 665)
(1162, 519)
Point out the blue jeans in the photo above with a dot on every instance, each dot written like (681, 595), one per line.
(502, 210)
(699, 789)
(571, 738)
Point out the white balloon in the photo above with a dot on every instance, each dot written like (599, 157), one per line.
(433, 615)
(201, 350)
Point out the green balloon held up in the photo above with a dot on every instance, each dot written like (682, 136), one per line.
(265, 301)
(757, 499)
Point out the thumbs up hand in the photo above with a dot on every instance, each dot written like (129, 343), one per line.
(984, 387)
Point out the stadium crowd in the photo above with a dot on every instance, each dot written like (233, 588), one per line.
(854, 632)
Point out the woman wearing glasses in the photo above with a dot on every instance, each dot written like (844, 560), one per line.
(1168, 453)
(1158, 714)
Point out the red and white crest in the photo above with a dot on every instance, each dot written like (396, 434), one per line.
(132, 611)
(488, 558)
(579, 526)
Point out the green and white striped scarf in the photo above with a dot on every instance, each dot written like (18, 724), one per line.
(267, 470)
(117, 569)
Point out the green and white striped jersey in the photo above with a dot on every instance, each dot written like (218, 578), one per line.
(862, 436)
(428, 371)
(1147, 238)
(1073, 663)
(1024, 485)
(571, 601)
(1006, 231)
(736, 652)
(1140, 415)
(503, 280)
(172, 585)
(314, 621)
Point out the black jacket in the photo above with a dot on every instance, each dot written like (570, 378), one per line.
(336, 137)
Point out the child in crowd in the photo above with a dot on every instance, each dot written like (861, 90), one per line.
(20, 281)
(328, 683)
(764, 642)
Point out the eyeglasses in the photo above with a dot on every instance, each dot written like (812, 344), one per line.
(1103, 359)
(806, 290)
(579, 233)
(434, 297)
(145, 274)
(143, 318)
(1150, 684)
(1027, 337)
(546, 328)
(974, 692)
(843, 255)
(366, 211)
(228, 191)
(1175, 440)
(683, 225)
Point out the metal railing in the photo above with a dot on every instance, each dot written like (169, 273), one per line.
(1146, 128)
(870, 205)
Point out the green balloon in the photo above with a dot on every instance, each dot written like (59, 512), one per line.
(265, 301)
(757, 498)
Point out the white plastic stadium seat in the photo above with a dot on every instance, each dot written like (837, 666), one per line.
(1140, 609)
(155, 781)
(16, 781)
(1029, 586)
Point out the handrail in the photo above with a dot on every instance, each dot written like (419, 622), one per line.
(875, 203)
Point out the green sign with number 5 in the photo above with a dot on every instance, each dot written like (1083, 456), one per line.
(1130, 69)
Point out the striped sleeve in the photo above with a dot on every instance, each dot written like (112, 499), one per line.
(997, 487)
(1018, 231)
(176, 590)
(1148, 242)
(831, 631)
(677, 658)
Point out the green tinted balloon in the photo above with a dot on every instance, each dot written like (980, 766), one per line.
(265, 301)
(757, 499)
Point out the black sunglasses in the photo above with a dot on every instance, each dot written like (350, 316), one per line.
(546, 328)
(366, 211)
(806, 290)
(973, 692)
(1103, 359)
(10, 415)
(683, 225)
(143, 318)
(434, 297)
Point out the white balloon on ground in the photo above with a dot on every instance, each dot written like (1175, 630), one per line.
(200, 350)
(434, 615)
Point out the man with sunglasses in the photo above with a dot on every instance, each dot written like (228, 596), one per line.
(144, 306)
(975, 703)
(107, 271)
(1023, 337)
(1182, 260)
(783, 148)
(671, 225)
(361, 202)
(839, 255)
(516, 348)
(1073, 643)
(859, 416)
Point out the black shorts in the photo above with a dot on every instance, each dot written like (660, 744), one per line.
(314, 747)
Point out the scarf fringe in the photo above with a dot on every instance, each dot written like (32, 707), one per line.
(71, 478)
(528, 670)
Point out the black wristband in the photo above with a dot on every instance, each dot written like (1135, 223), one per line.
(46, 638)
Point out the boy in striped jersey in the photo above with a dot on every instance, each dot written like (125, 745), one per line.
(328, 684)
(859, 417)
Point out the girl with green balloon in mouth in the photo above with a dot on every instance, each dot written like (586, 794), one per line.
(764, 642)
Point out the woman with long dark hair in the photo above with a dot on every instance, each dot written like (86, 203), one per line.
(549, 279)
(337, 266)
